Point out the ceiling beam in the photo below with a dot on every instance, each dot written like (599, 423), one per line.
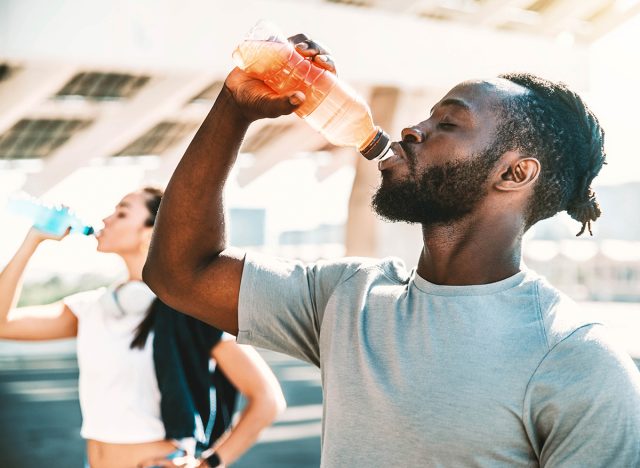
(296, 137)
(83, 109)
(158, 100)
(407, 6)
(495, 12)
(151, 38)
(338, 158)
(563, 15)
(169, 160)
(27, 88)
(612, 18)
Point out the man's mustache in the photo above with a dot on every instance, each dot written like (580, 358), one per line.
(409, 153)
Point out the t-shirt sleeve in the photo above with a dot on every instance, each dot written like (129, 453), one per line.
(281, 304)
(582, 405)
(82, 302)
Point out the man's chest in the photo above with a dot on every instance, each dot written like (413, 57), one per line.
(442, 381)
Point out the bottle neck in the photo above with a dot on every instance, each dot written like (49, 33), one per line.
(377, 146)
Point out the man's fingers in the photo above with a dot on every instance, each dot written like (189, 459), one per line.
(298, 38)
(284, 105)
(281, 105)
(296, 98)
(310, 48)
(326, 62)
(313, 50)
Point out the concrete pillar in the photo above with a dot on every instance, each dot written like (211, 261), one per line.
(362, 225)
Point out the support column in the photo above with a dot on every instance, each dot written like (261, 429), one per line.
(362, 225)
(367, 235)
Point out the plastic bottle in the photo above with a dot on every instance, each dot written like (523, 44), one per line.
(331, 106)
(50, 219)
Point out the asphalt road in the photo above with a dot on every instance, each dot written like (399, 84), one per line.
(40, 415)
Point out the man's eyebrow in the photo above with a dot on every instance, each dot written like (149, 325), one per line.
(452, 102)
(123, 205)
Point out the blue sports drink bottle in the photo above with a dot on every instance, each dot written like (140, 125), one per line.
(47, 218)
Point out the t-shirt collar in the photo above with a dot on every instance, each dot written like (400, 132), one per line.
(470, 290)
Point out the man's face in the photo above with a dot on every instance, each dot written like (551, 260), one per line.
(443, 164)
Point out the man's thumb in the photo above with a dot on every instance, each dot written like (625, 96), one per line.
(296, 98)
(275, 106)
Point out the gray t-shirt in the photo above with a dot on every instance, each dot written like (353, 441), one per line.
(419, 375)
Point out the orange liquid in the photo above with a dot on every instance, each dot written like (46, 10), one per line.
(330, 107)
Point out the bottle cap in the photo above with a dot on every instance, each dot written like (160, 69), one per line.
(378, 146)
(88, 230)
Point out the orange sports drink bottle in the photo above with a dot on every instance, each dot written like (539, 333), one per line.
(330, 106)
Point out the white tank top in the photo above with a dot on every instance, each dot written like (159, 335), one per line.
(119, 395)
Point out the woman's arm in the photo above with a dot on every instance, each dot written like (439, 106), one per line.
(30, 323)
(248, 372)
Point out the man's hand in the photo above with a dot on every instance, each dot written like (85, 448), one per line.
(257, 101)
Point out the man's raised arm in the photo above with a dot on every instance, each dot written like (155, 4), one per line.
(189, 265)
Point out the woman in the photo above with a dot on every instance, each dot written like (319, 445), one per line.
(141, 363)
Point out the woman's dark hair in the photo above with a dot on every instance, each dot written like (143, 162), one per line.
(552, 124)
(153, 196)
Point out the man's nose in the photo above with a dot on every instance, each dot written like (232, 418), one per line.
(412, 135)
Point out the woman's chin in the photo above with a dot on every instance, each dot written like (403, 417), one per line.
(102, 247)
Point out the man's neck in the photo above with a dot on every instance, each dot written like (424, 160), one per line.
(470, 251)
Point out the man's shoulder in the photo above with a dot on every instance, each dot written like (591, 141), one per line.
(561, 315)
(333, 270)
(392, 268)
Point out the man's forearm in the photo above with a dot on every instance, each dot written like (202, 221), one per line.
(190, 228)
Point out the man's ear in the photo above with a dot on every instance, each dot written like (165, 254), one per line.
(517, 172)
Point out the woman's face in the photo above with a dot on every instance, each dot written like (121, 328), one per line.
(124, 231)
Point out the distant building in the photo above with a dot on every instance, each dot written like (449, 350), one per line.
(588, 270)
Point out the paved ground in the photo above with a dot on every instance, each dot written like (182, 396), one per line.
(40, 415)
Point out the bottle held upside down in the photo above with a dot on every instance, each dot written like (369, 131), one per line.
(331, 106)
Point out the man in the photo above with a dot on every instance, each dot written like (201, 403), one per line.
(470, 360)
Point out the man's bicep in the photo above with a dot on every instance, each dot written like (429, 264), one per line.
(211, 295)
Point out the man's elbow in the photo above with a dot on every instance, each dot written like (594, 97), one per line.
(153, 276)
(149, 276)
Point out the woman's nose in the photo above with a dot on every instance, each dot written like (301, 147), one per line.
(412, 135)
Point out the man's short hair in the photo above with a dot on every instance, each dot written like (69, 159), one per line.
(552, 124)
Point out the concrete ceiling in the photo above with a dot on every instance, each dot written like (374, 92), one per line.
(67, 102)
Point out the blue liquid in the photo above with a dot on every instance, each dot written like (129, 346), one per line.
(50, 219)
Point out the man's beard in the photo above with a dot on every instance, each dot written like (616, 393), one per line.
(440, 194)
